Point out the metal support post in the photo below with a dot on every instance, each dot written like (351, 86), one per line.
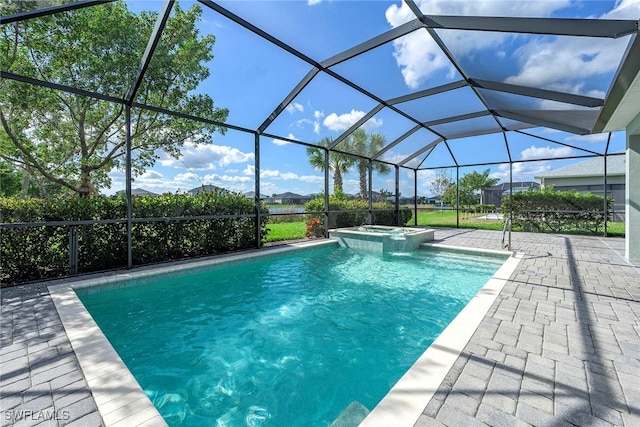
(326, 193)
(258, 230)
(73, 250)
(128, 186)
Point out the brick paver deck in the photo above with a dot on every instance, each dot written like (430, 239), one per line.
(559, 347)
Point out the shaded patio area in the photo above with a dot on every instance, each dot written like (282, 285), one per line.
(560, 346)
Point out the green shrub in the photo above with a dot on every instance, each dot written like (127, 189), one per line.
(33, 253)
(547, 210)
(357, 214)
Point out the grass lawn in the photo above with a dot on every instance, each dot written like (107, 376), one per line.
(286, 231)
(448, 219)
(296, 230)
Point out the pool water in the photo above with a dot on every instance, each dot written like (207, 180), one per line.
(290, 340)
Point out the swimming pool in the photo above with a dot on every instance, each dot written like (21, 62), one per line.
(291, 340)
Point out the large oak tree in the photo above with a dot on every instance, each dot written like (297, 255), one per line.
(75, 140)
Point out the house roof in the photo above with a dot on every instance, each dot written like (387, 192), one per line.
(138, 192)
(252, 194)
(515, 184)
(290, 195)
(208, 188)
(593, 167)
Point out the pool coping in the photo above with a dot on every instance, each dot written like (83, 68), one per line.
(407, 399)
(121, 401)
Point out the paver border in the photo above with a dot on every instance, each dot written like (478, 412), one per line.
(404, 403)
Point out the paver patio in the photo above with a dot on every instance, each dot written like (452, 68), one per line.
(560, 346)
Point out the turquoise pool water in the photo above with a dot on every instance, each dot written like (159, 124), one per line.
(290, 340)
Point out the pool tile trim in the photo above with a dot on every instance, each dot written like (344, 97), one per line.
(406, 400)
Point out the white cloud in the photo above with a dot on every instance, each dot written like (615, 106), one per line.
(206, 156)
(154, 181)
(624, 9)
(313, 2)
(249, 170)
(302, 122)
(151, 174)
(393, 157)
(293, 107)
(419, 57)
(283, 142)
(597, 137)
(276, 174)
(317, 115)
(557, 63)
(235, 183)
(534, 152)
(349, 186)
(186, 178)
(372, 123)
(215, 178)
(342, 122)
(522, 171)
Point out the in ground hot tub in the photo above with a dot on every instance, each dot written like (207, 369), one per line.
(382, 238)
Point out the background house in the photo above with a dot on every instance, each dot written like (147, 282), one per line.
(205, 188)
(252, 195)
(587, 177)
(289, 198)
(137, 192)
(493, 195)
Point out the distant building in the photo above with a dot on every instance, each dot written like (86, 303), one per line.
(252, 195)
(289, 198)
(493, 195)
(433, 200)
(205, 189)
(137, 192)
(588, 177)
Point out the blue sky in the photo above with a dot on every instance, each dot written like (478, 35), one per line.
(251, 76)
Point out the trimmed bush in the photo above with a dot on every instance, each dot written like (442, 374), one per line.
(33, 253)
(383, 214)
(547, 210)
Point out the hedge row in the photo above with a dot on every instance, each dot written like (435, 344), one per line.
(33, 253)
(547, 210)
(383, 214)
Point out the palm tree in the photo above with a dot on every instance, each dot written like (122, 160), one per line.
(339, 163)
(476, 181)
(367, 145)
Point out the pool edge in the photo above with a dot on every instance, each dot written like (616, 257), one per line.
(405, 402)
(120, 400)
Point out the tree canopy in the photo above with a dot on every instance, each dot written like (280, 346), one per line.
(75, 140)
(443, 188)
(472, 184)
(367, 144)
(339, 163)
